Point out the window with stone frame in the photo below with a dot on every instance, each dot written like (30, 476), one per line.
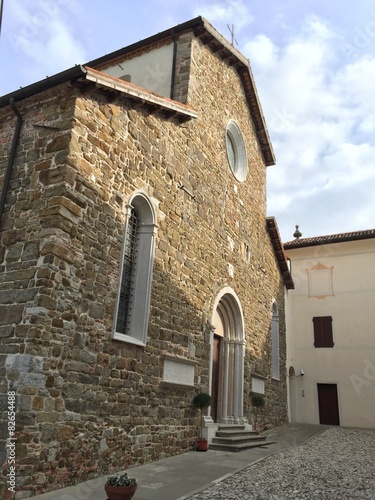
(236, 150)
(323, 333)
(275, 358)
(126, 293)
(133, 298)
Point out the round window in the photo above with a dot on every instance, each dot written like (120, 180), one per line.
(236, 151)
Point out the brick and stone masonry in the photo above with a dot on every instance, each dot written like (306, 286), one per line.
(88, 405)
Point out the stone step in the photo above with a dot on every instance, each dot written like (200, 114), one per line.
(234, 427)
(238, 447)
(238, 439)
(232, 437)
(228, 433)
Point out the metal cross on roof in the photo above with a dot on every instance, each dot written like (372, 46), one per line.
(1, 13)
(233, 38)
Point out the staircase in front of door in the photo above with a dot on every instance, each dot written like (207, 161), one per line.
(231, 437)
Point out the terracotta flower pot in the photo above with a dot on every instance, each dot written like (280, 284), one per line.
(202, 444)
(120, 492)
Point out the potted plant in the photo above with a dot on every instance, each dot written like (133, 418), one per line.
(258, 401)
(202, 400)
(120, 487)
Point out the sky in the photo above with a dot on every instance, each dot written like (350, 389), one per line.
(314, 66)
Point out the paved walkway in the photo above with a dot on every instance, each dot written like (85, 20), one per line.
(179, 477)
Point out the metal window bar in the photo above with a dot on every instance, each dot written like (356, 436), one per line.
(128, 273)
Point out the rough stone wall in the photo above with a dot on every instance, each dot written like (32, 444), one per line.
(242, 208)
(182, 68)
(83, 398)
(33, 222)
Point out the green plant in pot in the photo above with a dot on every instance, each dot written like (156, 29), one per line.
(202, 400)
(258, 401)
(120, 487)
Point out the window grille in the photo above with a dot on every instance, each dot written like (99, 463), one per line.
(128, 273)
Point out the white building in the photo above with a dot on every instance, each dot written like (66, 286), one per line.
(330, 328)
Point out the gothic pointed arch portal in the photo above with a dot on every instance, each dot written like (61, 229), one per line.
(227, 359)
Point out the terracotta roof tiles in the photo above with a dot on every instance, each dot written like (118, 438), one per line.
(332, 238)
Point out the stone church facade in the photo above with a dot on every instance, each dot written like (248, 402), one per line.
(137, 265)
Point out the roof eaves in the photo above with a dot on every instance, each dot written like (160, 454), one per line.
(282, 261)
(140, 94)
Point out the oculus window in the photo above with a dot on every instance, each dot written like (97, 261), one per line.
(236, 151)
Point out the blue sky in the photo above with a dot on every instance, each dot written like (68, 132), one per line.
(314, 66)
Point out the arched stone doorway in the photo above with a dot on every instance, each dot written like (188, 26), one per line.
(227, 359)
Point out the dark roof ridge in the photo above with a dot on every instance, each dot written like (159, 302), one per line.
(197, 22)
(41, 85)
(192, 23)
(331, 238)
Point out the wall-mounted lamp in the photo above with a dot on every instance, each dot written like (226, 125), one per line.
(302, 372)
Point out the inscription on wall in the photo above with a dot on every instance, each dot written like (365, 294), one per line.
(257, 385)
(178, 372)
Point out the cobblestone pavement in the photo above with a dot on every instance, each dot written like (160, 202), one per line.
(338, 464)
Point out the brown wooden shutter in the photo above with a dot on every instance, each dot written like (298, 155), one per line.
(323, 336)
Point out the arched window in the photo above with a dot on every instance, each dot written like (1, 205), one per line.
(275, 369)
(133, 298)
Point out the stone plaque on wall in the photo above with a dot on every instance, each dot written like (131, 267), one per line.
(257, 385)
(178, 372)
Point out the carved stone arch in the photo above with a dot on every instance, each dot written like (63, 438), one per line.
(227, 358)
(141, 201)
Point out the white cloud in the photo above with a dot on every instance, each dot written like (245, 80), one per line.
(317, 111)
(350, 164)
(232, 11)
(262, 51)
(357, 81)
(56, 49)
(367, 126)
(44, 32)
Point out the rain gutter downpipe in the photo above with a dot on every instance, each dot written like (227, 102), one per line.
(11, 157)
